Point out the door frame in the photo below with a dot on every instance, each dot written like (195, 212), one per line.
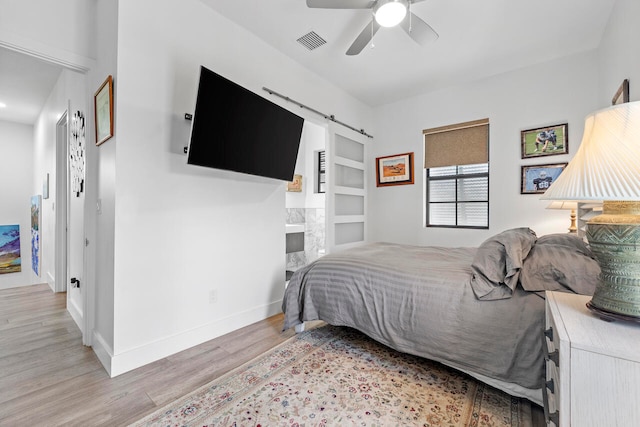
(62, 203)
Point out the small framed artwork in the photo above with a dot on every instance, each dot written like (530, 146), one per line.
(296, 184)
(45, 187)
(546, 141)
(622, 94)
(537, 179)
(103, 108)
(394, 170)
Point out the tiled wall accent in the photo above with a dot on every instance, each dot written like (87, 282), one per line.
(314, 235)
(296, 215)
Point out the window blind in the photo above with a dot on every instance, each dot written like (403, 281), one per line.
(459, 144)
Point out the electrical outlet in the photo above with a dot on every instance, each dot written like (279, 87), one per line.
(213, 296)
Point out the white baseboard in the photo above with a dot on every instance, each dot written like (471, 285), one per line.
(76, 314)
(51, 281)
(103, 351)
(134, 358)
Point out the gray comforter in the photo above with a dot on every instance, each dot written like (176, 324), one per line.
(419, 300)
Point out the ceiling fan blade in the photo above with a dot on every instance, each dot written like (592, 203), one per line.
(363, 38)
(418, 30)
(341, 4)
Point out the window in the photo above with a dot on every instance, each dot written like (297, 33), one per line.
(457, 175)
(458, 196)
(321, 178)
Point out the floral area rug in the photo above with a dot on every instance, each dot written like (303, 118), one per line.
(331, 376)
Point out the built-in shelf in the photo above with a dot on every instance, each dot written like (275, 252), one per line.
(294, 228)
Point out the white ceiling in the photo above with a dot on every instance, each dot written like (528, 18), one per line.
(25, 85)
(477, 39)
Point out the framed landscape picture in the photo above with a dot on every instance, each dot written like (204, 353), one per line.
(537, 179)
(394, 170)
(546, 141)
(10, 261)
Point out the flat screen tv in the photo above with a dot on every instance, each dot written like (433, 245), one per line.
(237, 130)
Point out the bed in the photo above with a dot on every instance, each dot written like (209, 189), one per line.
(479, 310)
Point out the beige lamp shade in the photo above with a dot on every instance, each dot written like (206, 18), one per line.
(607, 164)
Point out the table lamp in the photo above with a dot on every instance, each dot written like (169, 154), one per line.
(572, 206)
(607, 167)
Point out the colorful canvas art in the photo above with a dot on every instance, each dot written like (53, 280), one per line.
(35, 234)
(10, 261)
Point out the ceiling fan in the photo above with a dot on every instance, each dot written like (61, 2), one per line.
(386, 13)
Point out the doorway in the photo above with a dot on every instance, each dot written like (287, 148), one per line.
(50, 88)
(305, 204)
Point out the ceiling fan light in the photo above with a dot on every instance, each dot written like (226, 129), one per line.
(390, 13)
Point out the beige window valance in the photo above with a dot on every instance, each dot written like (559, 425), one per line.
(459, 144)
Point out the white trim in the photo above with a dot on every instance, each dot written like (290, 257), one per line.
(51, 282)
(136, 357)
(102, 351)
(76, 314)
(61, 206)
(45, 52)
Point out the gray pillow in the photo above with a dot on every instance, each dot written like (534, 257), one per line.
(498, 261)
(560, 262)
(566, 239)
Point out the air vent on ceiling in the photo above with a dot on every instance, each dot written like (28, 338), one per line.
(311, 40)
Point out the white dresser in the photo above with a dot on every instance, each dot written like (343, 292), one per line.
(593, 366)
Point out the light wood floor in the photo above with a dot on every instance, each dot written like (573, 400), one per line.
(48, 378)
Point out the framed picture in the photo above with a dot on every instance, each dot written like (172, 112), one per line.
(103, 107)
(296, 184)
(45, 187)
(546, 141)
(36, 203)
(10, 261)
(536, 179)
(622, 94)
(394, 170)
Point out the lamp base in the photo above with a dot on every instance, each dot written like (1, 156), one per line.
(614, 238)
(608, 316)
(572, 228)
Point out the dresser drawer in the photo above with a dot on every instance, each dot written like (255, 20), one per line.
(551, 388)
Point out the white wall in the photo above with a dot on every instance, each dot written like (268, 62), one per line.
(101, 188)
(618, 52)
(60, 30)
(561, 91)
(181, 231)
(16, 176)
